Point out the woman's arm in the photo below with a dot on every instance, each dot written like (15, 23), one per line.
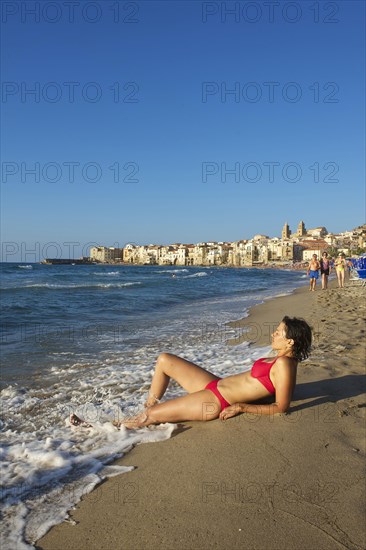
(238, 408)
(284, 378)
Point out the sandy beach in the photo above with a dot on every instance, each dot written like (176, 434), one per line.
(293, 481)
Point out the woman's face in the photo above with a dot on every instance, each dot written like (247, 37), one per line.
(279, 338)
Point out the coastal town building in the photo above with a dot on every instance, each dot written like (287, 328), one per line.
(313, 246)
(317, 232)
(106, 254)
(261, 250)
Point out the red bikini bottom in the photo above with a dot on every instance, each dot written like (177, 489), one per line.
(212, 386)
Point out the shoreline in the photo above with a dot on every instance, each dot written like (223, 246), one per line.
(218, 484)
(297, 266)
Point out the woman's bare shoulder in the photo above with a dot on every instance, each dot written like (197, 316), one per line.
(286, 362)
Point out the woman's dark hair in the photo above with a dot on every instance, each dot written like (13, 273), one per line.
(299, 331)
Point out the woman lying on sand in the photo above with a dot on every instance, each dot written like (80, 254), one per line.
(211, 397)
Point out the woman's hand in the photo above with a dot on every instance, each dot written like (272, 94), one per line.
(231, 411)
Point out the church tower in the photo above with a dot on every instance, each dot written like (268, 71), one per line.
(301, 231)
(286, 232)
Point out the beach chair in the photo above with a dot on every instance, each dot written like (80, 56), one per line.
(358, 277)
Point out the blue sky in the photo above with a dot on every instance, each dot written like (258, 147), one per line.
(196, 162)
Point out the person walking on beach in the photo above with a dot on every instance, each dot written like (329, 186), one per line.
(325, 270)
(340, 267)
(210, 397)
(313, 271)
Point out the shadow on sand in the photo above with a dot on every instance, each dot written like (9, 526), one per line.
(329, 390)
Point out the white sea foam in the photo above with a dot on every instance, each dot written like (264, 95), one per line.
(106, 273)
(52, 474)
(57, 286)
(25, 266)
(168, 271)
(199, 274)
(49, 465)
(117, 285)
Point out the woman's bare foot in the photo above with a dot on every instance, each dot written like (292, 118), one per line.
(133, 422)
(151, 400)
(76, 421)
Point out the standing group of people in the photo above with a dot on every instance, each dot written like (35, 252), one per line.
(325, 266)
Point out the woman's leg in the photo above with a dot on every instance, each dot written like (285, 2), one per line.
(201, 405)
(191, 377)
(324, 284)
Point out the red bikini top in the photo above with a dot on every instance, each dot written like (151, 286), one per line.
(260, 371)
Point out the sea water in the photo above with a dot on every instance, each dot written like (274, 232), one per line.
(84, 339)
